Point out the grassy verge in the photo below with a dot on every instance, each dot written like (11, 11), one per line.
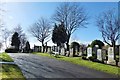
(9, 71)
(5, 57)
(94, 65)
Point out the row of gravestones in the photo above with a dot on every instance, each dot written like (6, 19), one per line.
(101, 54)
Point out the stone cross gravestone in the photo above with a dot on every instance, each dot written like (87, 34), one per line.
(111, 56)
(62, 51)
(89, 52)
(99, 54)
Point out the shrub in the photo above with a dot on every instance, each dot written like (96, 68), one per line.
(84, 58)
(11, 50)
(91, 58)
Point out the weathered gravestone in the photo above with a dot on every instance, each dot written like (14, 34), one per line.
(104, 53)
(111, 56)
(49, 50)
(63, 51)
(80, 53)
(99, 54)
(89, 52)
(76, 51)
(119, 57)
(71, 52)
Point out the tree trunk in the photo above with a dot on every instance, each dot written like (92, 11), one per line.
(67, 44)
(43, 48)
(113, 44)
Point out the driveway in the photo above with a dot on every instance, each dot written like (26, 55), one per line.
(34, 66)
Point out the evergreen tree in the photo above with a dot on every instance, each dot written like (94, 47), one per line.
(97, 42)
(27, 47)
(15, 41)
(59, 35)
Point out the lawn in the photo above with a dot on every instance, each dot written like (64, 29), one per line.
(5, 57)
(9, 71)
(94, 65)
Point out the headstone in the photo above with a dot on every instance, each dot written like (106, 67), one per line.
(104, 52)
(63, 51)
(58, 49)
(71, 52)
(99, 54)
(76, 51)
(67, 53)
(111, 56)
(49, 50)
(95, 49)
(89, 52)
(80, 53)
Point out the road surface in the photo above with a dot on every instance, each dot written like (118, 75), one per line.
(34, 66)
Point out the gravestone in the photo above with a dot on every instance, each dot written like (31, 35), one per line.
(49, 50)
(111, 56)
(76, 51)
(89, 52)
(119, 57)
(80, 53)
(99, 54)
(63, 51)
(71, 52)
(59, 49)
(104, 53)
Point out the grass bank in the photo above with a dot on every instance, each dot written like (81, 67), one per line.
(94, 65)
(5, 57)
(9, 71)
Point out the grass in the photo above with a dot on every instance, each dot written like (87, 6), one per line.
(94, 65)
(9, 71)
(5, 57)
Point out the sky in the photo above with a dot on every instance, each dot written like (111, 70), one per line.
(26, 13)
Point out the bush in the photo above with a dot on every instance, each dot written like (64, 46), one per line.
(11, 50)
(91, 58)
(84, 58)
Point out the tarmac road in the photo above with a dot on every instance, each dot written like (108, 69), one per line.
(34, 66)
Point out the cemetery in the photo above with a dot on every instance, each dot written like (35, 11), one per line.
(71, 52)
(103, 56)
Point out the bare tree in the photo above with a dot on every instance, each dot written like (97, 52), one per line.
(73, 16)
(0, 45)
(6, 36)
(108, 25)
(41, 30)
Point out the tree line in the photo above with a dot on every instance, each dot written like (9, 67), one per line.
(69, 17)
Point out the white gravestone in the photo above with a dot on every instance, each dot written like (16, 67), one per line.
(62, 51)
(99, 54)
(104, 53)
(49, 50)
(111, 56)
(71, 52)
(89, 52)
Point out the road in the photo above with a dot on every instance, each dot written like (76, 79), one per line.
(34, 66)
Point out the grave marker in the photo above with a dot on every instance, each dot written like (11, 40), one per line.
(89, 52)
(111, 56)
